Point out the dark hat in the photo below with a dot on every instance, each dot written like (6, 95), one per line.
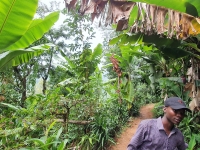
(176, 103)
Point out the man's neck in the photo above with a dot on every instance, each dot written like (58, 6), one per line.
(168, 126)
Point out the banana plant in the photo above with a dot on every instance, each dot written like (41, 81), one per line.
(19, 30)
(157, 52)
(80, 70)
(16, 57)
(171, 47)
(82, 78)
(85, 65)
(125, 62)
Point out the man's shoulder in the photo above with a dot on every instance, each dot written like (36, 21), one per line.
(148, 122)
(178, 131)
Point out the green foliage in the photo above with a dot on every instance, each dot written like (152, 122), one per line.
(135, 109)
(102, 129)
(87, 141)
(10, 19)
(189, 125)
(190, 130)
(83, 94)
(158, 109)
(24, 34)
(35, 31)
(86, 63)
(107, 121)
(76, 90)
(142, 95)
(17, 57)
(48, 142)
(29, 122)
(192, 143)
(173, 86)
(78, 31)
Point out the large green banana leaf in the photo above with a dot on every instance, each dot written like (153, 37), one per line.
(16, 16)
(191, 7)
(16, 57)
(35, 31)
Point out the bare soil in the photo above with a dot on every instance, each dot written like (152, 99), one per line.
(123, 140)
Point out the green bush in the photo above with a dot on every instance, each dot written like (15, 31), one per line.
(190, 127)
(158, 111)
(134, 110)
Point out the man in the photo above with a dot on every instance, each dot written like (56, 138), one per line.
(161, 133)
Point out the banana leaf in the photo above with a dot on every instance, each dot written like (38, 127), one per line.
(16, 57)
(16, 16)
(36, 30)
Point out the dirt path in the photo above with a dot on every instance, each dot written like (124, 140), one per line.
(125, 137)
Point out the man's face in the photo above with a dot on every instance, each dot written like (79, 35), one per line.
(174, 116)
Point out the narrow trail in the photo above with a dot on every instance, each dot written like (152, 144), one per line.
(125, 137)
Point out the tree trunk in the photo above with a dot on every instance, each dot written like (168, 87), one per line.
(23, 98)
(44, 86)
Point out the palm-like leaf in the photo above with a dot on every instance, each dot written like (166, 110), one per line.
(18, 30)
(35, 31)
(14, 58)
(16, 16)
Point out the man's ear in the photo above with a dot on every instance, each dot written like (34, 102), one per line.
(164, 109)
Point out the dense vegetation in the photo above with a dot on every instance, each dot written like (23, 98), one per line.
(54, 95)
